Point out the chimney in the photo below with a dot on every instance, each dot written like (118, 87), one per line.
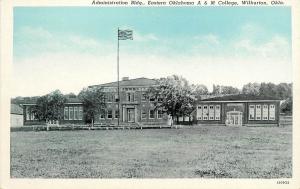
(125, 78)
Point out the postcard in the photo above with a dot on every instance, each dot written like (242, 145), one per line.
(149, 94)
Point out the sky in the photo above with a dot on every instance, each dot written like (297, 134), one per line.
(69, 48)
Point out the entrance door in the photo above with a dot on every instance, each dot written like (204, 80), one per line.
(130, 114)
(234, 118)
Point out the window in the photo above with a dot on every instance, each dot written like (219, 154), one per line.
(272, 112)
(211, 112)
(32, 116)
(159, 114)
(109, 114)
(71, 113)
(199, 113)
(151, 114)
(144, 114)
(130, 97)
(116, 114)
(160, 99)
(66, 113)
(27, 113)
(116, 99)
(80, 113)
(109, 97)
(75, 113)
(251, 112)
(152, 99)
(144, 97)
(205, 112)
(258, 112)
(102, 114)
(265, 112)
(217, 112)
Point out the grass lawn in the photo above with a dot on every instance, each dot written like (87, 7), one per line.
(206, 151)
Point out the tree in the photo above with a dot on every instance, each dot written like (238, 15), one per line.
(284, 91)
(198, 90)
(50, 106)
(93, 100)
(221, 89)
(71, 95)
(268, 89)
(251, 88)
(173, 94)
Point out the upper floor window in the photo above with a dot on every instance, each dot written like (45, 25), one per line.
(116, 114)
(144, 97)
(130, 97)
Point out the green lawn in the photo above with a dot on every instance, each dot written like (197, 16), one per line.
(210, 151)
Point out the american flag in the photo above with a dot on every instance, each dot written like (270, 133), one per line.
(125, 34)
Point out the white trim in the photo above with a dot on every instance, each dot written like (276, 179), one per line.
(265, 112)
(273, 107)
(205, 114)
(253, 108)
(66, 108)
(218, 116)
(161, 114)
(71, 103)
(258, 110)
(150, 114)
(211, 112)
(199, 112)
(71, 107)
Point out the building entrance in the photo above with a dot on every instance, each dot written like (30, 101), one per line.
(234, 118)
(130, 115)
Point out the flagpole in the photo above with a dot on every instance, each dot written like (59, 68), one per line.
(118, 81)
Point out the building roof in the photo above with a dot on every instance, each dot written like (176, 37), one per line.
(16, 109)
(130, 82)
(241, 97)
(33, 100)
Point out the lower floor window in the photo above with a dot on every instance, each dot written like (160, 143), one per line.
(102, 114)
(151, 114)
(159, 114)
(116, 114)
(109, 114)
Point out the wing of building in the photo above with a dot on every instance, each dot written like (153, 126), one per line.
(241, 109)
(134, 106)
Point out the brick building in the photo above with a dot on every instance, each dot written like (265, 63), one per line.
(134, 106)
(241, 109)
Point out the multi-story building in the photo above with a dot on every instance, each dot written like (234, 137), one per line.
(134, 106)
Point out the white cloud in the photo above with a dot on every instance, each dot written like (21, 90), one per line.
(209, 39)
(71, 62)
(140, 37)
